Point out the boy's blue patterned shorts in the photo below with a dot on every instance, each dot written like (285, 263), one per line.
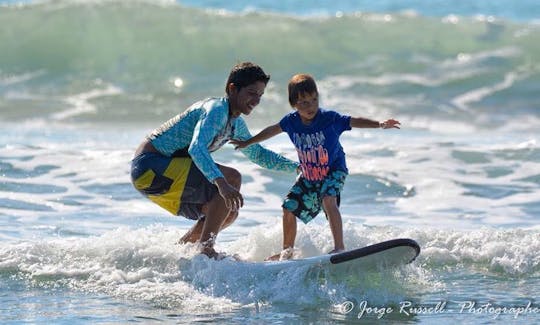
(305, 197)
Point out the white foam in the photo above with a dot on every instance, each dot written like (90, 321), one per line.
(11, 79)
(146, 265)
(81, 103)
(462, 101)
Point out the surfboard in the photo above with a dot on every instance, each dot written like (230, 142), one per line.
(387, 254)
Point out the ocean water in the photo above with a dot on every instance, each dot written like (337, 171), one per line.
(82, 82)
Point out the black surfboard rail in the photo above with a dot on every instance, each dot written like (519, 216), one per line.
(375, 248)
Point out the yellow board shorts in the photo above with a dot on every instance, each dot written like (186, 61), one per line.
(173, 183)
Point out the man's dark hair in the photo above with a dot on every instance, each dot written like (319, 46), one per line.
(244, 74)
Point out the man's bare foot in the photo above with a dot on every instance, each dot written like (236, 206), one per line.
(181, 241)
(187, 238)
(237, 257)
(211, 253)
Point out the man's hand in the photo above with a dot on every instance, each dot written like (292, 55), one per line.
(233, 199)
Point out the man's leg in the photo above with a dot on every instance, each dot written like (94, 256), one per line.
(193, 234)
(206, 230)
(234, 178)
(215, 213)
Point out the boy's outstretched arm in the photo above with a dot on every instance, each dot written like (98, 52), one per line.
(265, 134)
(360, 122)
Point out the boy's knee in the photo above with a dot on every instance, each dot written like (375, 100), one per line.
(329, 203)
(288, 215)
(329, 200)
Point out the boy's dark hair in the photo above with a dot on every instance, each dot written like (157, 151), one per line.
(301, 84)
(244, 74)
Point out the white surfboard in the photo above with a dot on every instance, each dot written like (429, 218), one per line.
(387, 254)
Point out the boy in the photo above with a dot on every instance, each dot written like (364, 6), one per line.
(315, 134)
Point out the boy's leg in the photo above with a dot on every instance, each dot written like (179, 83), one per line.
(301, 202)
(289, 229)
(330, 206)
(289, 236)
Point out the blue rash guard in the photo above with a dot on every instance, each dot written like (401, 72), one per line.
(204, 128)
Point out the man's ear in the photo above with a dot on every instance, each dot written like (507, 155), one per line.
(231, 88)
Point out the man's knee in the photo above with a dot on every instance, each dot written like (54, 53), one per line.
(233, 177)
(231, 217)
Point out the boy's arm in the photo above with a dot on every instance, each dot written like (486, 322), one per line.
(360, 122)
(260, 155)
(265, 134)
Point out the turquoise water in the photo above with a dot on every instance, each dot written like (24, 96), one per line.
(514, 10)
(81, 83)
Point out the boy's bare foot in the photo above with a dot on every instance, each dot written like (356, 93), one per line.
(273, 257)
(285, 254)
(336, 250)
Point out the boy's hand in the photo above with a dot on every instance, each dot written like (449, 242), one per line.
(238, 144)
(389, 124)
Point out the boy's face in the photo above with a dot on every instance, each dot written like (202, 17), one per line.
(244, 100)
(307, 106)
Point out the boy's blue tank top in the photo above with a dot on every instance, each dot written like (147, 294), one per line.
(317, 144)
